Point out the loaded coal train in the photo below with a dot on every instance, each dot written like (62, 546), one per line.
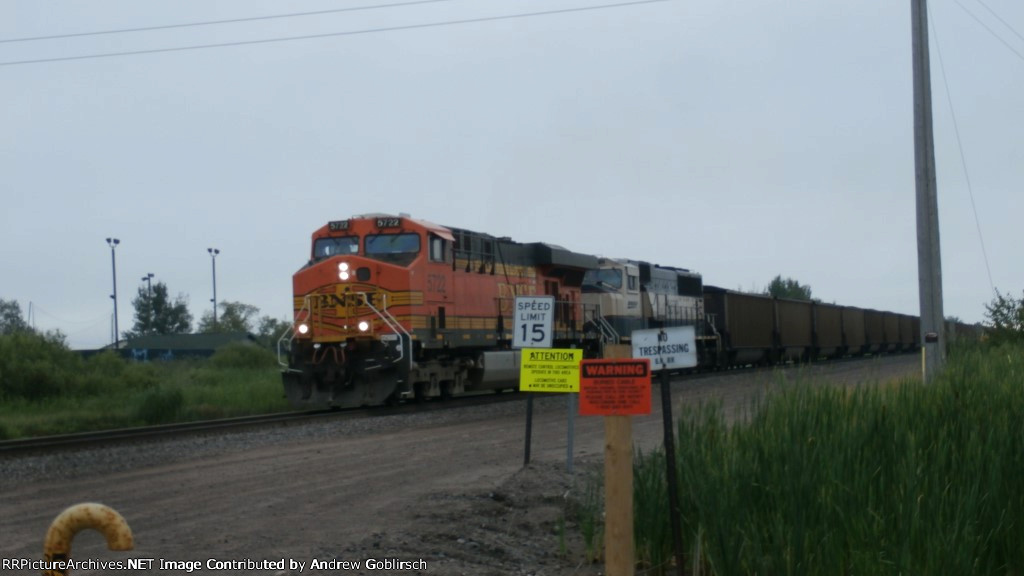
(391, 307)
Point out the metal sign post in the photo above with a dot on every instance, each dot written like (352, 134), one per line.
(533, 321)
(670, 466)
(669, 348)
(547, 370)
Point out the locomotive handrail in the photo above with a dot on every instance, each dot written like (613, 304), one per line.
(710, 320)
(391, 322)
(289, 335)
(607, 330)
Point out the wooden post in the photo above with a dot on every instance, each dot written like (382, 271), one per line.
(619, 549)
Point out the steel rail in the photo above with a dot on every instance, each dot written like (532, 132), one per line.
(57, 442)
(54, 443)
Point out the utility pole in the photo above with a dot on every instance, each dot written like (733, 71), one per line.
(929, 258)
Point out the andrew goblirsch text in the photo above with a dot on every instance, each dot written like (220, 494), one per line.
(213, 564)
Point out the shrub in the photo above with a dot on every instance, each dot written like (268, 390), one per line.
(160, 405)
(109, 373)
(36, 366)
(242, 355)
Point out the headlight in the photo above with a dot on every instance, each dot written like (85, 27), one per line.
(343, 272)
(364, 326)
(303, 328)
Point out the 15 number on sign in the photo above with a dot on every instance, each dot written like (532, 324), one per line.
(533, 321)
(536, 334)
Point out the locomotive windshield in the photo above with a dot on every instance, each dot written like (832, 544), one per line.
(603, 280)
(327, 247)
(399, 249)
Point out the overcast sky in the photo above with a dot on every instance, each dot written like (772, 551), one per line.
(740, 139)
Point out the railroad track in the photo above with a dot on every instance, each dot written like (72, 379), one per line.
(101, 437)
(56, 443)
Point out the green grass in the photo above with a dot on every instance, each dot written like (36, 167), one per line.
(107, 392)
(907, 479)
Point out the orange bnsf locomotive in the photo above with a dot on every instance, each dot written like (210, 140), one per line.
(390, 307)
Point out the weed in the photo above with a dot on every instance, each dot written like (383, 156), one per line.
(160, 405)
(906, 479)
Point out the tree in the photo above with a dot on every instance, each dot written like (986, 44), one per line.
(1006, 318)
(233, 317)
(11, 320)
(156, 314)
(239, 317)
(270, 329)
(788, 288)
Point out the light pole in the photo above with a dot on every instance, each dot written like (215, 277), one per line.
(213, 261)
(148, 279)
(113, 242)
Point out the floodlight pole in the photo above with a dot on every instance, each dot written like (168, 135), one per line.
(929, 258)
(213, 260)
(113, 242)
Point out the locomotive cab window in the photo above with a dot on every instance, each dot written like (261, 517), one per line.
(399, 249)
(602, 280)
(634, 283)
(327, 247)
(438, 249)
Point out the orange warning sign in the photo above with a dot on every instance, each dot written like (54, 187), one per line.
(615, 387)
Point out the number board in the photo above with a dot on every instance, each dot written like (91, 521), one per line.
(389, 222)
(534, 317)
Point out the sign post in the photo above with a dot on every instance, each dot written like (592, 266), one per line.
(547, 370)
(617, 387)
(533, 320)
(669, 348)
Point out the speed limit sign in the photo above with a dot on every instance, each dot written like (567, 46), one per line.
(534, 316)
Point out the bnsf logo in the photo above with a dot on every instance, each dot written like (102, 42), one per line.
(344, 300)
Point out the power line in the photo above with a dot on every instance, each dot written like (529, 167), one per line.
(39, 310)
(1004, 22)
(215, 22)
(990, 30)
(963, 158)
(332, 34)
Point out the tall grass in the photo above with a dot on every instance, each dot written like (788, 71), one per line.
(907, 479)
(106, 392)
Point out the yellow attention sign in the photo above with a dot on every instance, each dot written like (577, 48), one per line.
(549, 370)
